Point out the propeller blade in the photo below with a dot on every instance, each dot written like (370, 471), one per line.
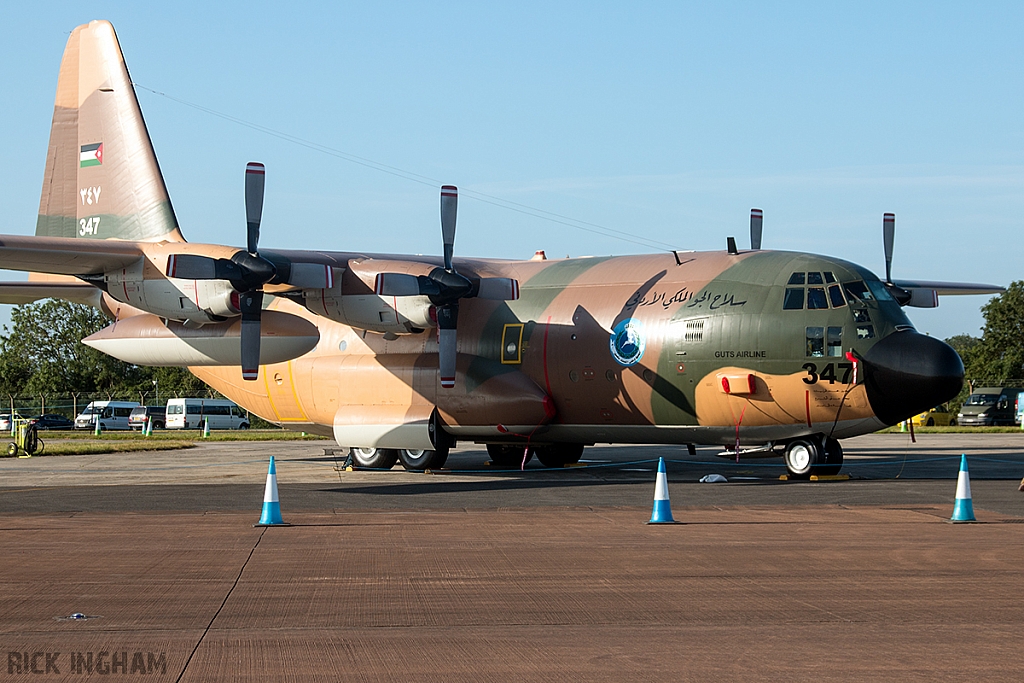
(191, 267)
(449, 208)
(397, 284)
(888, 235)
(756, 219)
(310, 276)
(255, 179)
(498, 288)
(251, 304)
(447, 343)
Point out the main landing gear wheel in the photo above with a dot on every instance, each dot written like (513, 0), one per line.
(508, 456)
(560, 454)
(375, 458)
(418, 459)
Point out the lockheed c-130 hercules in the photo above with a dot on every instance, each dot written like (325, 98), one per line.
(398, 356)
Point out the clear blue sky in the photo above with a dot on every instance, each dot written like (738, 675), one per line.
(665, 120)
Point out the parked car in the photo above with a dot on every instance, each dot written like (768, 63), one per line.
(158, 414)
(1020, 408)
(52, 421)
(939, 416)
(5, 421)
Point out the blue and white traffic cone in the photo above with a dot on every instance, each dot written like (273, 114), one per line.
(963, 509)
(662, 513)
(271, 505)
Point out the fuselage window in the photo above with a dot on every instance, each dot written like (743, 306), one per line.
(835, 295)
(835, 342)
(796, 279)
(816, 297)
(814, 279)
(861, 316)
(815, 342)
(865, 332)
(794, 299)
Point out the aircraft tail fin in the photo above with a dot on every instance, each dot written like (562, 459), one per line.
(102, 179)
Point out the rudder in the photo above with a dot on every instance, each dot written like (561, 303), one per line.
(102, 179)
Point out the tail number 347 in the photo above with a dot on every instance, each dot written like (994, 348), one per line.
(828, 373)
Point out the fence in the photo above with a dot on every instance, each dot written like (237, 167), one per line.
(70, 405)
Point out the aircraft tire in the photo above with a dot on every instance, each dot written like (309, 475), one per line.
(833, 458)
(560, 454)
(417, 459)
(508, 456)
(802, 455)
(375, 458)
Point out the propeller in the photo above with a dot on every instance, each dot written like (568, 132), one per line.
(248, 271)
(445, 287)
(756, 219)
(256, 271)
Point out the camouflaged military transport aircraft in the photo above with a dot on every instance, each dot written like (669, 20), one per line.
(767, 353)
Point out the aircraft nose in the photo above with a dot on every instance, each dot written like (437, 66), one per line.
(907, 373)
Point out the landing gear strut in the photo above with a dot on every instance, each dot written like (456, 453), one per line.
(813, 455)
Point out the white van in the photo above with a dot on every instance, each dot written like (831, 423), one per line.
(111, 414)
(190, 413)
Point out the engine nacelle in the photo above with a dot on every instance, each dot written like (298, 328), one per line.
(195, 301)
(386, 314)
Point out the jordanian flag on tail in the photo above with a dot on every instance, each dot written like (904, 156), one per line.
(92, 155)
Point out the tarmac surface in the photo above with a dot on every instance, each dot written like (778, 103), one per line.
(534, 575)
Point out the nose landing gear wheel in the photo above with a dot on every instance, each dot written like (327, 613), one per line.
(808, 456)
(560, 454)
(509, 456)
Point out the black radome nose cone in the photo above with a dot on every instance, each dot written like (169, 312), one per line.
(907, 373)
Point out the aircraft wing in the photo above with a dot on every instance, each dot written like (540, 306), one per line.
(950, 288)
(65, 256)
(27, 292)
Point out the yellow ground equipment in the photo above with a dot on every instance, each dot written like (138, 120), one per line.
(26, 439)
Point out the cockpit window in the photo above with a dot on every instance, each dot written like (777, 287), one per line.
(814, 279)
(794, 300)
(816, 297)
(857, 292)
(880, 291)
(815, 342)
(835, 295)
(830, 277)
(796, 279)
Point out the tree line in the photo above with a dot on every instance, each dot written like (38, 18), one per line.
(41, 355)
